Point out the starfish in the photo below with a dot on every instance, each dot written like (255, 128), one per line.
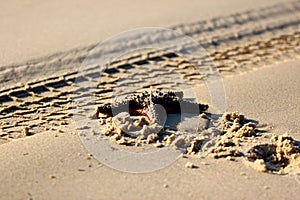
(146, 104)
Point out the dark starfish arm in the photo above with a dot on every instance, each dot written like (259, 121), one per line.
(105, 110)
(185, 107)
(141, 104)
(110, 110)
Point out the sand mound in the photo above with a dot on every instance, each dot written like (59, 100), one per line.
(226, 137)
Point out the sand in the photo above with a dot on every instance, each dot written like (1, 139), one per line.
(29, 162)
(32, 29)
(42, 157)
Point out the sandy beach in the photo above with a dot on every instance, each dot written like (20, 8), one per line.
(253, 45)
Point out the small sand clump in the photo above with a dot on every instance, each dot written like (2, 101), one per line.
(224, 148)
(25, 131)
(196, 145)
(190, 165)
(276, 155)
(235, 125)
(234, 129)
(258, 165)
(285, 147)
(126, 130)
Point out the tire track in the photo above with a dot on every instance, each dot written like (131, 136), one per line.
(217, 33)
(46, 103)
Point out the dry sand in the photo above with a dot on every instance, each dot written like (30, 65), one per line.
(28, 163)
(54, 164)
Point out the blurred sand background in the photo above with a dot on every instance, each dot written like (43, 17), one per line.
(31, 29)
